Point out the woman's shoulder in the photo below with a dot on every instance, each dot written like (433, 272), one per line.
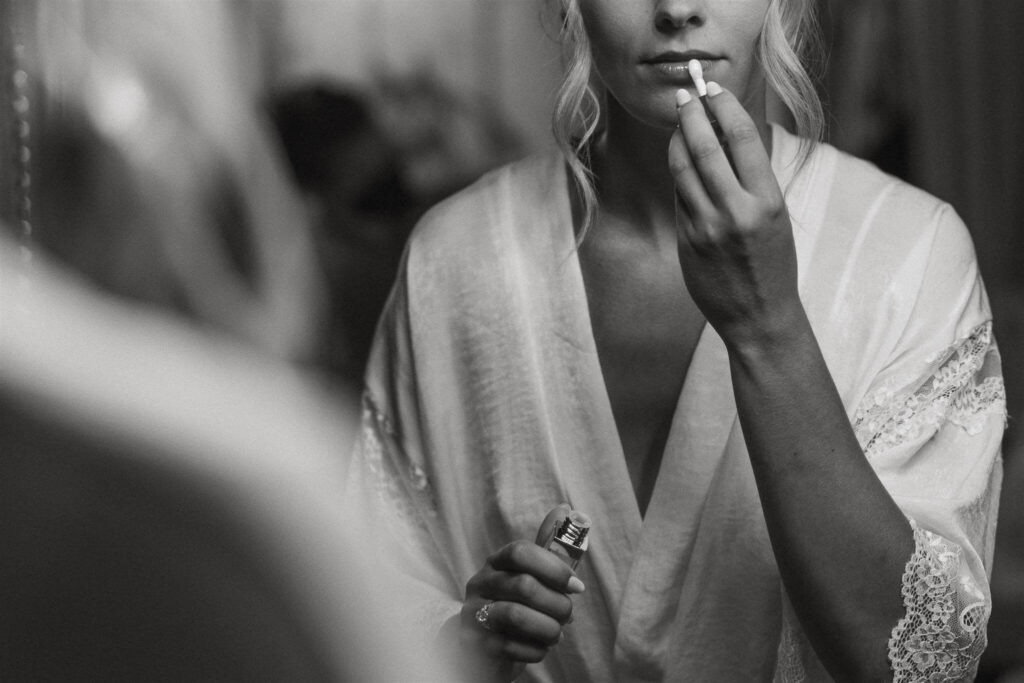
(859, 182)
(854, 196)
(901, 212)
(489, 204)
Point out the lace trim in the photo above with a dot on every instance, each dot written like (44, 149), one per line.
(404, 489)
(942, 636)
(789, 665)
(886, 419)
(392, 480)
(972, 406)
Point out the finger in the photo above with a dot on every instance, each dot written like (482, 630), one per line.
(695, 226)
(523, 557)
(498, 645)
(750, 159)
(526, 590)
(519, 622)
(706, 152)
(489, 638)
(690, 189)
(686, 227)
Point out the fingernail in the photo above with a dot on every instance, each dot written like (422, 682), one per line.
(713, 89)
(575, 585)
(682, 97)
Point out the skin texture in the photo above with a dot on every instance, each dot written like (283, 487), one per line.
(687, 235)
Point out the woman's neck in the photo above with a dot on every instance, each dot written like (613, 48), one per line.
(631, 168)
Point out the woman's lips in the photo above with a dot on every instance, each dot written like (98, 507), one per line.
(676, 70)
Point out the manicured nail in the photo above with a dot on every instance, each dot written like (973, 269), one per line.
(682, 97)
(713, 89)
(575, 585)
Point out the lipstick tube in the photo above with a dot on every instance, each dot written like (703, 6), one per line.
(569, 540)
(697, 76)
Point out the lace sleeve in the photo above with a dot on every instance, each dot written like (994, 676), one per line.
(934, 442)
(942, 635)
(936, 448)
(940, 638)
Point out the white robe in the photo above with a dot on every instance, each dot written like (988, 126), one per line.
(486, 406)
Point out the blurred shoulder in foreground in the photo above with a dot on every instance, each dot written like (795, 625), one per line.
(169, 502)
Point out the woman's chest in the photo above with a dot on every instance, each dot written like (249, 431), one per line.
(645, 329)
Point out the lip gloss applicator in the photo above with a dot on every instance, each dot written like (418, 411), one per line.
(697, 76)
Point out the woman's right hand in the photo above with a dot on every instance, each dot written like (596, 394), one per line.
(523, 590)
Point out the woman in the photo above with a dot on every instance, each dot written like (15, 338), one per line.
(766, 373)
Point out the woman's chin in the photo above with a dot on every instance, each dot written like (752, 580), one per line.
(659, 114)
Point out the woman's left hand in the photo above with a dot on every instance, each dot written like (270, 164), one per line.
(735, 238)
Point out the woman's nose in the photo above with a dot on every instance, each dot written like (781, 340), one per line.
(673, 15)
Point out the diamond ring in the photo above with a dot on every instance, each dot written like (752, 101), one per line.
(483, 614)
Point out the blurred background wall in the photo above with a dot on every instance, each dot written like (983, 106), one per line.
(362, 113)
(500, 52)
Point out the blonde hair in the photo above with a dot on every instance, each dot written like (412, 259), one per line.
(577, 109)
(788, 49)
(790, 52)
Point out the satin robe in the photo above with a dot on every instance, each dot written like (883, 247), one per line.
(485, 406)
